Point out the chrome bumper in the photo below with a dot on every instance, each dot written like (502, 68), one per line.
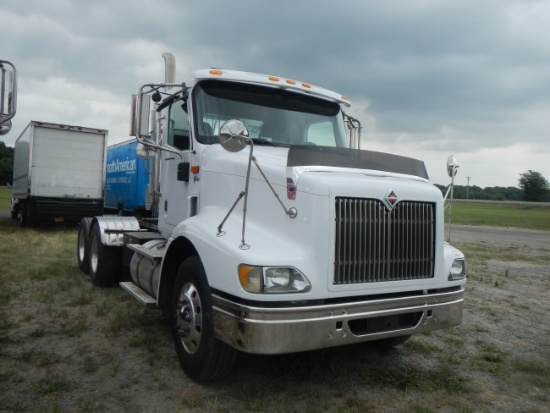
(287, 330)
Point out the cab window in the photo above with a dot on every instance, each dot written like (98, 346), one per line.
(178, 128)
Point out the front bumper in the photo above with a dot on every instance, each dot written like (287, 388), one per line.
(292, 329)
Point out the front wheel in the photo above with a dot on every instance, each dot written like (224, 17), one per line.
(201, 355)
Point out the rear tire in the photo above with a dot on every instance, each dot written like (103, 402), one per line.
(23, 214)
(83, 245)
(103, 260)
(14, 211)
(201, 355)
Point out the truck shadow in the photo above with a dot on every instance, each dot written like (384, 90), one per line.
(352, 363)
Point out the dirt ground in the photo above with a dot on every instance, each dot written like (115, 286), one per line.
(67, 346)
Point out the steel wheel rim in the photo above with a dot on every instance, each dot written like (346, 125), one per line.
(189, 318)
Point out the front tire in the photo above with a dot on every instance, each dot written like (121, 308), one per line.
(201, 355)
(103, 260)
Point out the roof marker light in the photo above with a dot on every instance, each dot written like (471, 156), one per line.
(307, 86)
(290, 82)
(215, 72)
(273, 78)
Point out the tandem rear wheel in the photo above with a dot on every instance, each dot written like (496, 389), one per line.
(83, 245)
(103, 260)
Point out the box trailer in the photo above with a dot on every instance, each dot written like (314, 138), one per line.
(58, 173)
(127, 180)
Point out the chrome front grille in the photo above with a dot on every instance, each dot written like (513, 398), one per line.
(374, 244)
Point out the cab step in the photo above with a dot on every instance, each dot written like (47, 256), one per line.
(138, 294)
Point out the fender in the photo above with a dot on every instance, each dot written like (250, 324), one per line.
(112, 228)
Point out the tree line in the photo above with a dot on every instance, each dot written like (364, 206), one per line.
(532, 186)
(495, 193)
(6, 164)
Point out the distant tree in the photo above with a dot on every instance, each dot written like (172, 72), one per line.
(534, 186)
(6, 164)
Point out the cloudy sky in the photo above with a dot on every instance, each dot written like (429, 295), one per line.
(427, 78)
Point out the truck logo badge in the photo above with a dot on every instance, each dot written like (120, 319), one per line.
(290, 189)
(391, 199)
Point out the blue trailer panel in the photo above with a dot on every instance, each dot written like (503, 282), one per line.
(127, 178)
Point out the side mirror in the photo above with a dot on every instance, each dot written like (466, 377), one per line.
(5, 127)
(452, 166)
(141, 106)
(233, 136)
(8, 95)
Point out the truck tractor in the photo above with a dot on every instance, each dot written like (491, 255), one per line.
(271, 231)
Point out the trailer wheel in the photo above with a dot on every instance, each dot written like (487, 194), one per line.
(23, 214)
(201, 355)
(103, 260)
(83, 245)
(14, 211)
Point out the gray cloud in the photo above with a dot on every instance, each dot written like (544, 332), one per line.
(438, 76)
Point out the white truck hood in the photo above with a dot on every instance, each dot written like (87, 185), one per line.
(322, 166)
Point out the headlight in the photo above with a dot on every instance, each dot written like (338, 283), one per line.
(458, 270)
(272, 280)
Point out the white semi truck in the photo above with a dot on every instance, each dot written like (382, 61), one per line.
(274, 233)
(8, 95)
(58, 173)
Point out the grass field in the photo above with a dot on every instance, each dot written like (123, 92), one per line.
(67, 346)
(502, 215)
(5, 195)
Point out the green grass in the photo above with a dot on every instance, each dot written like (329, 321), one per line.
(5, 196)
(502, 215)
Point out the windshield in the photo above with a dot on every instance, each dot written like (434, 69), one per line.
(272, 116)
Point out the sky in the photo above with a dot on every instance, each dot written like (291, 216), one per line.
(426, 78)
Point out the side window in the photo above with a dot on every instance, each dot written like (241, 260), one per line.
(321, 134)
(178, 128)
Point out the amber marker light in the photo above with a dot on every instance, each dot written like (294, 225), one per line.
(195, 169)
(215, 72)
(273, 78)
(290, 82)
(307, 86)
(250, 278)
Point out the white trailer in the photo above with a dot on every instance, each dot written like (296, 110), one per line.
(58, 173)
(275, 233)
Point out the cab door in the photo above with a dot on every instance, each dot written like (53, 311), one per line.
(174, 200)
